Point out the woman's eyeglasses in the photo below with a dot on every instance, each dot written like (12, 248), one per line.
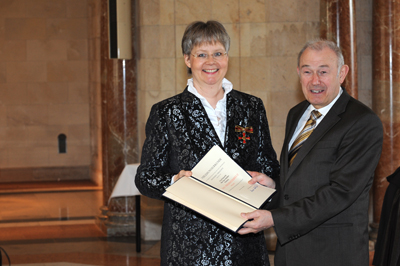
(216, 56)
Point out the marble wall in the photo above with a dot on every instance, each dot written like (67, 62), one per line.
(266, 37)
(44, 77)
(50, 67)
(364, 50)
(50, 73)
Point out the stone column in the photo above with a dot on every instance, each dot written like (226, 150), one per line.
(338, 24)
(119, 131)
(386, 95)
(95, 90)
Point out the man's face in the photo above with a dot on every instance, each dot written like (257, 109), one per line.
(319, 78)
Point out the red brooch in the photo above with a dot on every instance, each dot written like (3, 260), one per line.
(244, 130)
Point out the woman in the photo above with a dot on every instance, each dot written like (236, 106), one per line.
(179, 132)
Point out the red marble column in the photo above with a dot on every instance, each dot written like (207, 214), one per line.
(338, 24)
(386, 93)
(119, 129)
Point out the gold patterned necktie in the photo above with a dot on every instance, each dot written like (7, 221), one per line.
(304, 134)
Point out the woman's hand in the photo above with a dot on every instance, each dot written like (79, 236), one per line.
(261, 178)
(181, 174)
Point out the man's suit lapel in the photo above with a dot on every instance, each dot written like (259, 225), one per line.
(332, 117)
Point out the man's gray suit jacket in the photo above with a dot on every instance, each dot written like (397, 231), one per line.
(324, 195)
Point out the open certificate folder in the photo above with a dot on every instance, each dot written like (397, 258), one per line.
(219, 190)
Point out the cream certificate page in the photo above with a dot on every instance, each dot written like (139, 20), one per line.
(211, 203)
(218, 170)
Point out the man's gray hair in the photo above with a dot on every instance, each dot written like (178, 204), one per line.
(319, 45)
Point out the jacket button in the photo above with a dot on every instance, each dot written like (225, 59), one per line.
(286, 197)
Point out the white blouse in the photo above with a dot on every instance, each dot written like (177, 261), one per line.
(217, 116)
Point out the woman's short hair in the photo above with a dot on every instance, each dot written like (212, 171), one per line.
(319, 45)
(200, 32)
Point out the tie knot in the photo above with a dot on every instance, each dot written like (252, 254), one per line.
(315, 115)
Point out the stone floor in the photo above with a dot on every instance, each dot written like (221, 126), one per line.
(58, 229)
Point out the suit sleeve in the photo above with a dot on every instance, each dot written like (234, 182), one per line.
(153, 175)
(350, 175)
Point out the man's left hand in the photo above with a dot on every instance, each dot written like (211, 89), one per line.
(260, 220)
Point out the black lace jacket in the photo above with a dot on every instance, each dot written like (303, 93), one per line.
(178, 134)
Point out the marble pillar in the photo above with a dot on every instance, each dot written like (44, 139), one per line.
(119, 132)
(338, 24)
(386, 94)
(95, 91)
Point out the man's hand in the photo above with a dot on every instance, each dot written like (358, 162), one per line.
(261, 178)
(262, 220)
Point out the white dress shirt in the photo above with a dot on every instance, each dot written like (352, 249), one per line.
(303, 120)
(218, 115)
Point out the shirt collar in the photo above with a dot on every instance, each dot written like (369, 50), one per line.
(226, 85)
(324, 110)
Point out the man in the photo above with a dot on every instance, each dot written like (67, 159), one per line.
(322, 217)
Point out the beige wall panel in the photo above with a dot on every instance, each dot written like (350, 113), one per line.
(67, 71)
(76, 8)
(26, 72)
(68, 114)
(187, 11)
(46, 8)
(254, 11)
(25, 28)
(66, 29)
(225, 11)
(13, 50)
(3, 73)
(12, 8)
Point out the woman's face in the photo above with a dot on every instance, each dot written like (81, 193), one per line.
(209, 64)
